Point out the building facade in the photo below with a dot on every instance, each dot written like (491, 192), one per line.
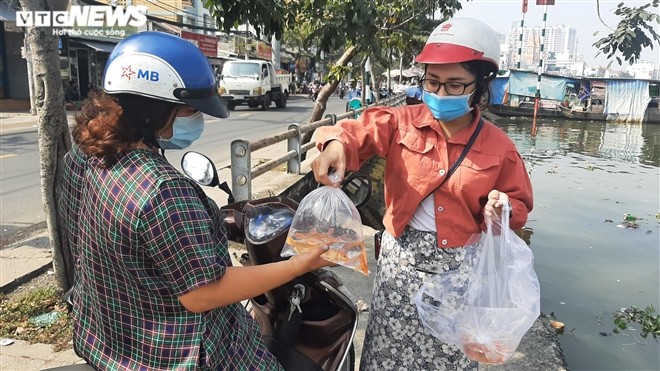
(560, 46)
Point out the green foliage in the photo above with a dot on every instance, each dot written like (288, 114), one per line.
(647, 318)
(336, 72)
(332, 25)
(17, 309)
(630, 36)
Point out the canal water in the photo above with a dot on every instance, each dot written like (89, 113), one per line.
(586, 177)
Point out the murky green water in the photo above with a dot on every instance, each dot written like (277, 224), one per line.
(586, 176)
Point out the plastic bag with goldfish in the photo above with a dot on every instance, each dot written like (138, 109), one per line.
(327, 217)
(488, 304)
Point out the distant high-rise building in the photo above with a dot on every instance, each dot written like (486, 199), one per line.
(501, 38)
(560, 43)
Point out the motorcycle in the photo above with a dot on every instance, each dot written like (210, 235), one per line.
(342, 92)
(314, 92)
(308, 323)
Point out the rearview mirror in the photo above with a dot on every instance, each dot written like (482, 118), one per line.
(358, 188)
(200, 169)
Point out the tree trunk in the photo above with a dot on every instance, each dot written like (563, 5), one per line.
(54, 137)
(324, 95)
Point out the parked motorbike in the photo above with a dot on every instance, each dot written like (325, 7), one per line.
(308, 323)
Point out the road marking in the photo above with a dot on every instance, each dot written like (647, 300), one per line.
(8, 155)
(244, 114)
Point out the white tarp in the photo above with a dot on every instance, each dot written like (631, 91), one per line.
(626, 100)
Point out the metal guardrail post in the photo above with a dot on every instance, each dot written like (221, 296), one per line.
(332, 117)
(293, 143)
(241, 173)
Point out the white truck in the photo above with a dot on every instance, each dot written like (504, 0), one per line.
(254, 82)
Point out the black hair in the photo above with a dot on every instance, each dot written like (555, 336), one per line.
(483, 72)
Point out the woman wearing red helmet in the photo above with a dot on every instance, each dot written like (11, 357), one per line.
(436, 191)
(154, 287)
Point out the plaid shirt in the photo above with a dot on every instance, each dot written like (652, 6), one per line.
(142, 235)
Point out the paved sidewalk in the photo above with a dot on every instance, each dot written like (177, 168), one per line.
(22, 122)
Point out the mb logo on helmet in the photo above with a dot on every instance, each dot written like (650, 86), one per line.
(147, 75)
(128, 73)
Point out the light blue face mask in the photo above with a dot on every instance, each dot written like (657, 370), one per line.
(185, 131)
(447, 108)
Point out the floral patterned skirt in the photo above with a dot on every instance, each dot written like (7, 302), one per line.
(395, 338)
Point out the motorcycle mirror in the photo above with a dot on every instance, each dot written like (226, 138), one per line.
(358, 188)
(200, 169)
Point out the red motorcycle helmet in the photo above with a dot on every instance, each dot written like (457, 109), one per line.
(461, 40)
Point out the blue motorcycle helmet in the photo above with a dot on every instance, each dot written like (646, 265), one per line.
(165, 67)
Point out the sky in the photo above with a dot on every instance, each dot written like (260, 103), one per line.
(580, 14)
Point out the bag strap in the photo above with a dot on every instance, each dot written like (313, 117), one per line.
(463, 154)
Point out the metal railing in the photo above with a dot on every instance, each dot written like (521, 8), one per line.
(241, 149)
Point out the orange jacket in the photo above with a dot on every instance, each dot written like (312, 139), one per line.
(418, 156)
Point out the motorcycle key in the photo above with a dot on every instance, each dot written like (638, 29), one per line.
(296, 295)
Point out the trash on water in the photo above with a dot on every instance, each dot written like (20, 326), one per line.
(44, 319)
(629, 221)
(629, 217)
(557, 326)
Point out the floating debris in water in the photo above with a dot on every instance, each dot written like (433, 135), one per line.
(629, 221)
(629, 217)
(557, 326)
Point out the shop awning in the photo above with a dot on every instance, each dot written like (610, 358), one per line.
(96, 45)
(169, 28)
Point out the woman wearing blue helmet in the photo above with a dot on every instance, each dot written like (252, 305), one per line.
(154, 287)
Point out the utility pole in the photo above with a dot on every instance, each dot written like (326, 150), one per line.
(522, 32)
(537, 100)
(276, 56)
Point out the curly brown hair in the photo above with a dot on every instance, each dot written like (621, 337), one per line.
(110, 125)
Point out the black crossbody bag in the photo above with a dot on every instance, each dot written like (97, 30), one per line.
(378, 236)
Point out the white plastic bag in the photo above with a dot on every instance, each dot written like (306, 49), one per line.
(326, 216)
(487, 310)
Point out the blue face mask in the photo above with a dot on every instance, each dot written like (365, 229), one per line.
(447, 108)
(185, 130)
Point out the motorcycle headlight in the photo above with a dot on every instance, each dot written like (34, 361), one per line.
(222, 90)
(258, 90)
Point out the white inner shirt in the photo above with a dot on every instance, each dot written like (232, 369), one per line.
(424, 217)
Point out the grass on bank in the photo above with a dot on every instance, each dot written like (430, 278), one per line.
(19, 313)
